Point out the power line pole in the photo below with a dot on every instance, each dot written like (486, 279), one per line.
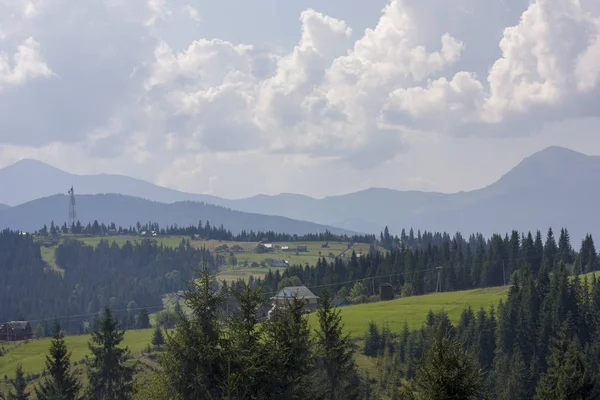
(438, 285)
(373, 282)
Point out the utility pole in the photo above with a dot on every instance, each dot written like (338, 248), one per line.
(503, 273)
(438, 285)
(373, 282)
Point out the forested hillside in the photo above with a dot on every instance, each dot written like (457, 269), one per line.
(411, 262)
(543, 342)
(92, 277)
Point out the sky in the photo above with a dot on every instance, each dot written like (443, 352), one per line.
(237, 97)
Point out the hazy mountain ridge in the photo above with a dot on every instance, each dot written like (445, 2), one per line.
(46, 180)
(3, 207)
(127, 211)
(553, 187)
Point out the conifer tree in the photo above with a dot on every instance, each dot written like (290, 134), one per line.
(568, 376)
(564, 247)
(157, 338)
(334, 353)
(19, 385)
(109, 376)
(60, 382)
(372, 340)
(192, 362)
(244, 350)
(290, 363)
(448, 371)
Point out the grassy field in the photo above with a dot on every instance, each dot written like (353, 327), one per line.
(32, 354)
(245, 257)
(311, 256)
(414, 309)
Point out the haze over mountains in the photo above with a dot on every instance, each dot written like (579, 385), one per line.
(555, 187)
(127, 211)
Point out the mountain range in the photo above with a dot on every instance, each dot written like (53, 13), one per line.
(127, 211)
(554, 187)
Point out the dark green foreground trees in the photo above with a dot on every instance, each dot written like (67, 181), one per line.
(110, 378)
(60, 384)
(238, 357)
(447, 372)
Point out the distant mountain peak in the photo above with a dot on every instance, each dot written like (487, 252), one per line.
(556, 151)
(29, 164)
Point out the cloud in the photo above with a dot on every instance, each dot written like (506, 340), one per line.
(192, 12)
(125, 82)
(27, 64)
(548, 70)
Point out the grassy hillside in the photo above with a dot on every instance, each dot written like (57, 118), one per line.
(244, 255)
(414, 309)
(32, 354)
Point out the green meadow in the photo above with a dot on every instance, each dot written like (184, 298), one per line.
(413, 310)
(33, 353)
(245, 258)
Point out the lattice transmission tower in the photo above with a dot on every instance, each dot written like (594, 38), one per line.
(72, 211)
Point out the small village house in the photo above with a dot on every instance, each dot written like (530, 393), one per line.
(301, 292)
(279, 264)
(15, 331)
(386, 292)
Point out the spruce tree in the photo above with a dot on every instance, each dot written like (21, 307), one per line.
(109, 376)
(334, 353)
(372, 340)
(447, 371)
(244, 350)
(568, 376)
(60, 382)
(157, 338)
(193, 360)
(19, 385)
(290, 363)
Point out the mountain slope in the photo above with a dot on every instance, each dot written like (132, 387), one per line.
(3, 207)
(46, 180)
(127, 210)
(553, 187)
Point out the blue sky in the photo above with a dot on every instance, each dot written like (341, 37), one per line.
(236, 98)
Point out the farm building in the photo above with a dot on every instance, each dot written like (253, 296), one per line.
(301, 248)
(386, 292)
(15, 330)
(279, 263)
(300, 292)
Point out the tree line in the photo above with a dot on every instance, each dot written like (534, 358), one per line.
(542, 342)
(136, 275)
(411, 262)
(204, 230)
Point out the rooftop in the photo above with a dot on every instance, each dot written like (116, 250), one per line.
(296, 291)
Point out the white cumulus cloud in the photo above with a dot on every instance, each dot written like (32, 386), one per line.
(141, 87)
(26, 64)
